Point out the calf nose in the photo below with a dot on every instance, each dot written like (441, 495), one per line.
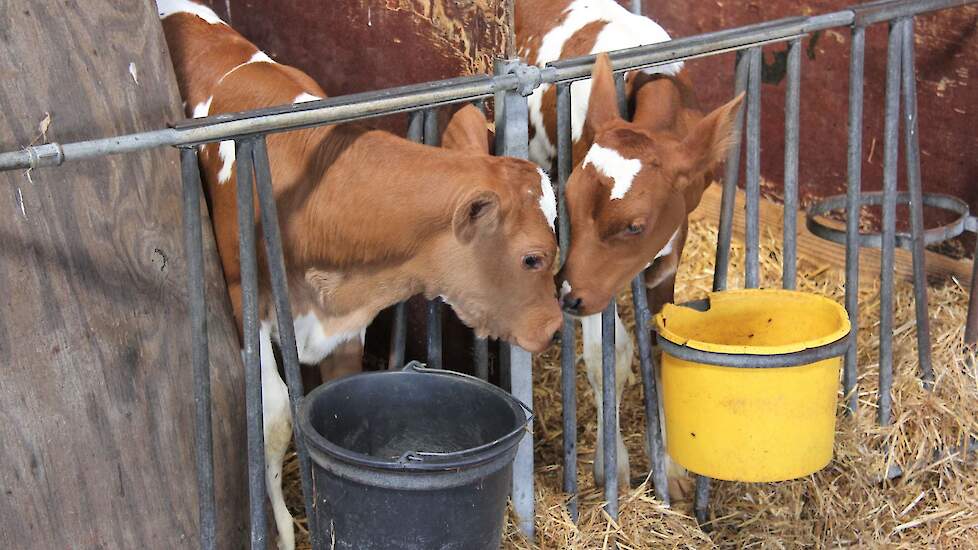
(571, 304)
(555, 338)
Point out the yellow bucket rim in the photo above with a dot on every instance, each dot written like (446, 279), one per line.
(718, 299)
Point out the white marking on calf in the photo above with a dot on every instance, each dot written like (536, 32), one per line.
(623, 30)
(226, 152)
(667, 249)
(548, 201)
(609, 162)
(169, 7)
(304, 98)
(565, 289)
(203, 108)
(312, 342)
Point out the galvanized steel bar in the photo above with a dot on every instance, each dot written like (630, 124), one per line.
(433, 138)
(701, 500)
(971, 327)
(731, 172)
(286, 330)
(789, 271)
(609, 411)
(752, 172)
(252, 359)
(853, 209)
(637, 7)
(512, 124)
(878, 12)
(890, 151)
(912, 149)
(568, 349)
(200, 356)
(653, 423)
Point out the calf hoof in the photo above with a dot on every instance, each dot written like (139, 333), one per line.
(624, 469)
(682, 488)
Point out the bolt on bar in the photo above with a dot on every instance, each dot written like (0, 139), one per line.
(752, 171)
(568, 349)
(203, 430)
(415, 133)
(853, 211)
(731, 171)
(286, 329)
(891, 144)
(433, 138)
(249, 306)
(912, 149)
(789, 270)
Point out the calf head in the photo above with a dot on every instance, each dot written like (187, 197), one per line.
(631, 192)
(500, 256)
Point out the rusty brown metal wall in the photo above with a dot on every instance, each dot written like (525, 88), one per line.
(947, 58)
(351, 46)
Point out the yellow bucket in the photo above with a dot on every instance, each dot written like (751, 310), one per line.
(750, 385)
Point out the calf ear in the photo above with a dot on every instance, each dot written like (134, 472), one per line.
(602, 107)
(707, 144)
(477, 213)
(467, 131)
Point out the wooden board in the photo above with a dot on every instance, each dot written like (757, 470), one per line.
(96, 403)
(822, 251)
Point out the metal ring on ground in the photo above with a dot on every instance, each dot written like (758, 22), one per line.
(874, 240)
(751, 361)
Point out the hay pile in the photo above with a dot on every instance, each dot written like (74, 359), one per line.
(933, 505)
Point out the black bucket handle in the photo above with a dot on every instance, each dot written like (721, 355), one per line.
(418, 456)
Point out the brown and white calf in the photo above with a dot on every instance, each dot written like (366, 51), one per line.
(368, 219)
(633, 183)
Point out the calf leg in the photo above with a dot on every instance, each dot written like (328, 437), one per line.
(624, 350)
(345, 359)
(277, 420)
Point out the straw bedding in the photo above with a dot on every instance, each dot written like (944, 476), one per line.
(933, 505)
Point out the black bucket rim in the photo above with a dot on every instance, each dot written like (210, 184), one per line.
(416, 460)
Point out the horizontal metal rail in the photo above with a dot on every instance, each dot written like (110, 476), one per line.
(419, 96)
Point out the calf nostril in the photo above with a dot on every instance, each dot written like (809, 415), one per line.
(555, 339)
(571, 304)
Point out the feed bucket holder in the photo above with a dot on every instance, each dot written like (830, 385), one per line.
(750, 382)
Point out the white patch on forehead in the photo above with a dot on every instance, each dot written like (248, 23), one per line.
(623, 29)
(609, 162)
(548, 201)
(565, 289)
(666, 250)
(227, 158)
(203, 108)
(304, 98)
(169, 7)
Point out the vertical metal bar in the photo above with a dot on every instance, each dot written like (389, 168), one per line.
(731, 171)
(752, 172)
(203, 433)
(286, 329)
(701, 501)
(853, 210)
(653, 426)
(619, 79)
(249, 307)
(971, 327)
(415, 133)
(912, 149)
(637, 7)
(791, 129)
(890, 152)
(433, 138)
(513, 123)
(609, 412)
(568, 350)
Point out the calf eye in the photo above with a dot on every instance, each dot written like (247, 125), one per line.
(634, 229)
(532, 262)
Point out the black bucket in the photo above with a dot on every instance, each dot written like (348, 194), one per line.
(412, 459)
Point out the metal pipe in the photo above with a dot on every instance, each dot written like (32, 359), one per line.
(971, 327)
(637, 7)
(568, 350)
(203, 430)
(609, 411)
(731, 172)
(789, 271)
(415, 133)
(434, 330)
(249, 307)
(286, 330)
(878, 12)
(752, 172)
(653, 424)
(853, 209)
(916, 202)
(890, 151)
(701, 500)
